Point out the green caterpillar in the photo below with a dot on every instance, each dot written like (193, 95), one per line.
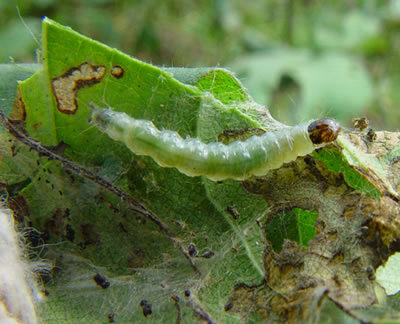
(216, 161)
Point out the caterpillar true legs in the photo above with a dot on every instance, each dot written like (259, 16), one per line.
(237, 160)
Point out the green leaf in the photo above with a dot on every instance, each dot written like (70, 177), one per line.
(336, 162)
(22, 43)
(84, 229)
(13, 170)
(91, 223)
(387, 275)
(296, 225)
(367, 162)
(338, 95)
(9, 75)
(349, 31)
(219, 82)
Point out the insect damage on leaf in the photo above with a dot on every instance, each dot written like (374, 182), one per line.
(65, 87)
(296, 225)
(111, 318)
(101, 281)
(192, 250)
(232, 210)
(146, 308)
(117, 71)
(18, 112)
(151, 94)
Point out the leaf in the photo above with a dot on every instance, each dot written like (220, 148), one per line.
(13, 170)
(22, 41)
(336, 162)
(345, 93)
(350, 31)
(357, 158)
(296, 225)
(9, 74)
(89, 225)
(388, 275)
(86, 230)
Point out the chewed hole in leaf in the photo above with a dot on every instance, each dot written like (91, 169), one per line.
(296, 225)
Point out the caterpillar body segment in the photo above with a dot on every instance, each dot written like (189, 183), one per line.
(217, 161)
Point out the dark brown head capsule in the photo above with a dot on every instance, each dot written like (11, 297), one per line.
(324, 130)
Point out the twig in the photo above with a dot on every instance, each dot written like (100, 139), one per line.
(176, 300)
(200, 311)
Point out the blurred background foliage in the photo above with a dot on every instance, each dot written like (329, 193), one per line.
(303, 59)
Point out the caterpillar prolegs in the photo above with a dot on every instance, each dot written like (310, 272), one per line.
(216, 161)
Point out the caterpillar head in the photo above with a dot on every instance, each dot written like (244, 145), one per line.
(324, 130)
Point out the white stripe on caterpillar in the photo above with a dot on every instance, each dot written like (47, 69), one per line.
(216, 161)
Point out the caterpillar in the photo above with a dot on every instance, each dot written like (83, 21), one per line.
(217, 161)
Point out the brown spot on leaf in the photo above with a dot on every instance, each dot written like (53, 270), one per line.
(37, 125)
(90, 235)
(208, 255)
(232, 210)
(18, 112)
(111, 318)
(146, 308)
(136, 258)
(228, 306)
(101, 281)
(371, 135)
(69, 233)
(55, 224)
(117, 71)
(65, 87)
(19, 206)
(192, 250)
(384, 218)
